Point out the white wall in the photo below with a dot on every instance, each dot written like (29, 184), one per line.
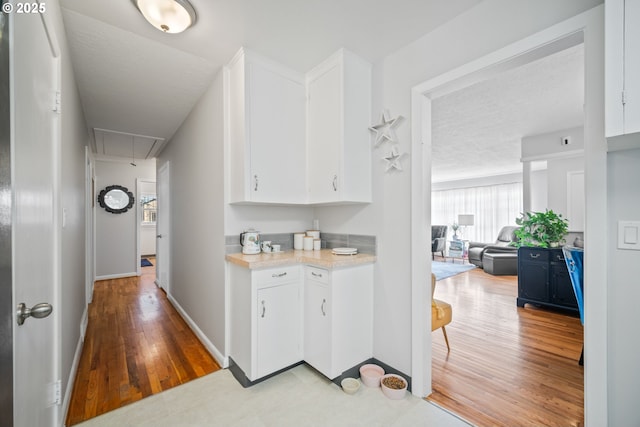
(557, 187)
(544, 146)
(487, 27)
(74, 137)
(116, 234)
(561, 160)
(539, 190)
(624, 292)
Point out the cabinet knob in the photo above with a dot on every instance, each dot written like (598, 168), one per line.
(335, 183)
(264, 309)
(314, 274)
(324, 301)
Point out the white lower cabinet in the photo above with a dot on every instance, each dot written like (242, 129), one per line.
(338, 318)
(266, 319)
(272, 327)
(278, 335)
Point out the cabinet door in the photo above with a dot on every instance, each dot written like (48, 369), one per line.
(276, 135)
(279, 328)
(317, 326)
(632, 66)
(325, 133)
(560, 287)
(533, 281)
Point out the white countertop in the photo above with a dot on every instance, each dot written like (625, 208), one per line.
(323, 258)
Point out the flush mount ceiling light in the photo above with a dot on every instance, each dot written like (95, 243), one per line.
(169, 16)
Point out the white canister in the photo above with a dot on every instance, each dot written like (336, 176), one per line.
(297, 240)
(313, 233)
(307, 244)
(317, 244)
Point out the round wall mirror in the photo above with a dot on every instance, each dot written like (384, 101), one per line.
(116, 199)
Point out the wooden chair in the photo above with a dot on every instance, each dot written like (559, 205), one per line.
(441, 313)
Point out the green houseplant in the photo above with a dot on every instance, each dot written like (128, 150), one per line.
(542, 229)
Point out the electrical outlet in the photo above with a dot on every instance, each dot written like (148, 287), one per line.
(566, 140)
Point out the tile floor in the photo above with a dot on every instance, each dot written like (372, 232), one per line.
(298, 397)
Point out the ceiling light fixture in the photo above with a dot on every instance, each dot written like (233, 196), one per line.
(169, 16)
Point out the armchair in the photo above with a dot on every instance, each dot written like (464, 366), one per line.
(502, 244)
(441, 313)
(438, 239)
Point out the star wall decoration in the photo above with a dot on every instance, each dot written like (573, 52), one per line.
(384, 130)
(393, 159)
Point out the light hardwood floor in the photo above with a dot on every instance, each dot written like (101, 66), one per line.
(508, 366)
(136, 345)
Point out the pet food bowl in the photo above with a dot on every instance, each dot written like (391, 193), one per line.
(395, 393)
(350, 385)
(370, 375)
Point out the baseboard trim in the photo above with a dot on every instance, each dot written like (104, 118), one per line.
(222, 361)
(116, 276)
(74, 368)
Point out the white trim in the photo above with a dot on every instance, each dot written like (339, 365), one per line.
(116, 276)
(588, 27)
(222, 361)
(74, 366)
(554, 156)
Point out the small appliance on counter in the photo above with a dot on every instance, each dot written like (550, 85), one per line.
(250, 241)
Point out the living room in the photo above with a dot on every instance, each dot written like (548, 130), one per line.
(501, 147)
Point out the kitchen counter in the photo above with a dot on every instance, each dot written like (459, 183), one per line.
(323, 258)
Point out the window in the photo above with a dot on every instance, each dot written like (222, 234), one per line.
(493, 206)
(149, 204)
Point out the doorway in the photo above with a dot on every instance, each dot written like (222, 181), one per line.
(146, 226)
(588, 27)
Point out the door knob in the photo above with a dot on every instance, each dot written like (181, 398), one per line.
(38, 311)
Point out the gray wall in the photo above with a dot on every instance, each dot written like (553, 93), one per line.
(624, 291)
(196, 156)
(116, 234)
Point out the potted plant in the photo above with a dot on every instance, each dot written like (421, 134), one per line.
(542, 229)
(455, 228)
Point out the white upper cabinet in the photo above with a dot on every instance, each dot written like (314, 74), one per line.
(266, 131)
(622, 67)
(338, 138)
(293, 141)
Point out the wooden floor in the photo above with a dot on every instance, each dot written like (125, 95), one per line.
(508, 366)
(136, 345)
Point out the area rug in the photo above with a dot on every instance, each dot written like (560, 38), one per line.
(145, 263)
(442, 270)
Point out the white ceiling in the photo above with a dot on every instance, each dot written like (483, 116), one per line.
(477, 130)
(134, 79)
(137, 84)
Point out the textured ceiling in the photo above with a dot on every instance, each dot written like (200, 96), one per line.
(135, 79)
(477, 130)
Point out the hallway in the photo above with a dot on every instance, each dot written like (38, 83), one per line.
(136, 345)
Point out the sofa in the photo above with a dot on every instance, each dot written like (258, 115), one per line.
(438, 239)
(503, 244)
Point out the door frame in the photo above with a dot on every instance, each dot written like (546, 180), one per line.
(589, 25)
(6, 259)
(139, 184)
